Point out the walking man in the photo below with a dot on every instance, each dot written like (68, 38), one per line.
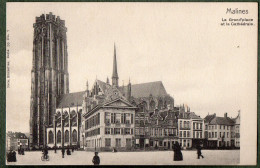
(199, 151)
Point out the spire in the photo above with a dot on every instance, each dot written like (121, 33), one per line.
(115, 75)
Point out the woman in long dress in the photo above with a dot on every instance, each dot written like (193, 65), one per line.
(177, 152)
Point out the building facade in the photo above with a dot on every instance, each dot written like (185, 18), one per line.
(190, 128)
(236, 131)
(110, 125)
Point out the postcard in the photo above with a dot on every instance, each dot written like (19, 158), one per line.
(131, 83)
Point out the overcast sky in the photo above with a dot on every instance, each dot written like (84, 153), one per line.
(208, 67)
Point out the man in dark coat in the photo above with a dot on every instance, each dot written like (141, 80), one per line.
(199, 151)
(177, 152)
(68, 152)
(96, 159)
(10, 156)
(45, 153)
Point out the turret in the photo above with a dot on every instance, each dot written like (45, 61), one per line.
(87, 90)
(107, 81)
(129, 89)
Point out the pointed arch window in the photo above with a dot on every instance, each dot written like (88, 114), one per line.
(59, 137)
(66, 136)
(74, 136)
(152, 105)
(50, 139)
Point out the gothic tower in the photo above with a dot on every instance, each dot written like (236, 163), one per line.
(49, 75)
(115, 75)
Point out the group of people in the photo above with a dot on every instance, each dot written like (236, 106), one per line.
(11, 156)
(67, 151)
(178, 154)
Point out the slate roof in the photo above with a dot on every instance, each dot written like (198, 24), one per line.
(208, 118)
(147, 89)
(103, 85)
(221, 121)
(71, 99)
(192, 115)
(188, 115)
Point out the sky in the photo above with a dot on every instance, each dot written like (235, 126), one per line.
(210, 68)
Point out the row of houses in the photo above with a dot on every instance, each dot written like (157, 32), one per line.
(16, 140)
(161, 129)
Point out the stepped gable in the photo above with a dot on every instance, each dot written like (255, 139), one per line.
(71, 99)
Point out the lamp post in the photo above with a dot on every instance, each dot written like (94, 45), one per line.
(55, 136)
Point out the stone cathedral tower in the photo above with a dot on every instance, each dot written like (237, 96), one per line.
(49, 75)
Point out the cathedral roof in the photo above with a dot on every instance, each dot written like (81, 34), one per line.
(146, 89)
(103, 85)
(71, 99)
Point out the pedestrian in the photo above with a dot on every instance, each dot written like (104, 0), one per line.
(72, 149)
(22, 151)
(114, 150)
(68, 151)
(63, 152)
(9, 156)
(199, 151)
(96, 159)
(177, 152)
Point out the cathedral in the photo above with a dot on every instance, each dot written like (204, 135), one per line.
(103, 116)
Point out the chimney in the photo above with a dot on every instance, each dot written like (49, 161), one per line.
(225, 115)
